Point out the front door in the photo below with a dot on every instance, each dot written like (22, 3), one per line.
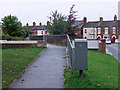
(113, 40)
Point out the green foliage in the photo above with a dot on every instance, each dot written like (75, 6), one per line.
(8, 37)
(14, 61)
(70, 21)
(13, 27)
(57, 23)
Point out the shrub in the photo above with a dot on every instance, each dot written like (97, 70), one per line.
(8, 37)
(17, 38)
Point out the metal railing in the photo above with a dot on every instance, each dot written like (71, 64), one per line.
(70, 51)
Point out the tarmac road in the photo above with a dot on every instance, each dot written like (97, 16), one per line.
(114, 50)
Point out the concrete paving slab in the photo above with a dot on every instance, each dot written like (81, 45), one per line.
(46, 72)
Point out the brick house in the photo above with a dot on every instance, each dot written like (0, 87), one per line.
(79, 24)
(108, 30)
(38, 30)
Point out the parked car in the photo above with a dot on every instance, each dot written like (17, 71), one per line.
(116, 41)
(108, 41)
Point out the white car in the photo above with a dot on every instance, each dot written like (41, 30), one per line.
(108, 41)
(116, 41)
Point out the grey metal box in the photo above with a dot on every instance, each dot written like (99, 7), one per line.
(81, 54)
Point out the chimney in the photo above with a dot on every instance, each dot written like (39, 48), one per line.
(48, 23)
(115, 18)
(85, 20)
(27, 24)
(101, 19)
(40, 24)
(34, 24)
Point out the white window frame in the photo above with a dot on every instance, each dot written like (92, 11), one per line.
(114, 30)
(113, 36)
(85, 30)
(105, 30)
(91, 36)
(41, 32)
(99, 36)
(99, 30)
(92, 30)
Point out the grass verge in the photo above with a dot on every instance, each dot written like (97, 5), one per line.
(102, 72)
(14, 61)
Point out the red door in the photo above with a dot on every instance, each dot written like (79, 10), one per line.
(113, 40)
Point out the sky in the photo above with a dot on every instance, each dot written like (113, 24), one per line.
(29, 11)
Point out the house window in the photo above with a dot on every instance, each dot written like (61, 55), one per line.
(85, 30)
(76, 33)
(91, 36)
(41, 32)
(92, 31)
(99, 31)
(114, 29)
(106, 30)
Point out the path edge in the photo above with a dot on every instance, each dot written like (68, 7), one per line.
(27, 67)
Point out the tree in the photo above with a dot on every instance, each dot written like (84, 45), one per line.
(12, 26)
(57, 23)
(70, 21)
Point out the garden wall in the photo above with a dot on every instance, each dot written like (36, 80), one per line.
(22, 44)
(36, 37)
(57, 39)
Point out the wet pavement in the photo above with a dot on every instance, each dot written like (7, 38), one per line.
(46, 72)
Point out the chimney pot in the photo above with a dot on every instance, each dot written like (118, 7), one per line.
(34, 24)
(40, 24)
(115, 18)
(101, 19)
(27, 24)
(85, 20)
(48, 23)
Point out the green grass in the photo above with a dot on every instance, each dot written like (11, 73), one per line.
(102, 73)
(14, 61)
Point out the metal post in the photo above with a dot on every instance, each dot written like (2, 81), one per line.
(81, 73)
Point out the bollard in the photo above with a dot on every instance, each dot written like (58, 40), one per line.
(103, 43)
(81, 54)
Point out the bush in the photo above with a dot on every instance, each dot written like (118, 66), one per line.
(8, 37)
(5, 37)
(17, 38)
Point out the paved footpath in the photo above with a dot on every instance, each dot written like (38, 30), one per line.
(46, 72)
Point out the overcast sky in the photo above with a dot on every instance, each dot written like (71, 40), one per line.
(29, 11)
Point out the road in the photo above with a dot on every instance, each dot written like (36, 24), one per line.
(113, 49)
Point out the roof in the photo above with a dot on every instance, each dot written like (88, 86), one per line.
(78, 23)
(36, 28)
(103, 24)
(92, 24)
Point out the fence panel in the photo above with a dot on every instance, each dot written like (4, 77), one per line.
(57, 39)
(70, 51)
